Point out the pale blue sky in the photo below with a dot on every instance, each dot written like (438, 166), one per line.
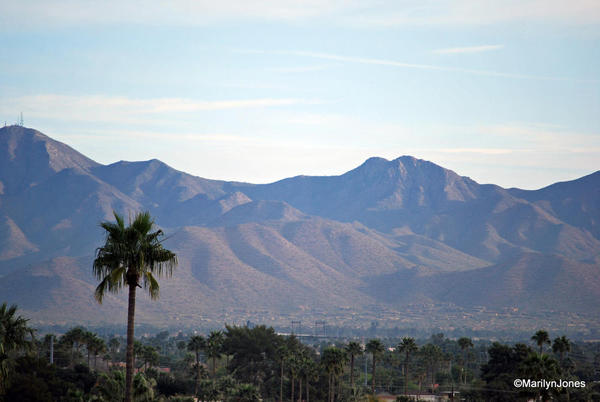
(506, 92)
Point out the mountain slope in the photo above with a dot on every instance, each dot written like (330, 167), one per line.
(380, 237)
(576, 202)
(28, 157)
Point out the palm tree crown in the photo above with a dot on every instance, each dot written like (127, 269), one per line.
(561, 346)
(541, 337)
(14, 335)
(132, 253)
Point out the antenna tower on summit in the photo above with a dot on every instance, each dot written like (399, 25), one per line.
(21, 120)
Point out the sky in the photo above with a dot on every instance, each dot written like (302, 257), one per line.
(505, 92)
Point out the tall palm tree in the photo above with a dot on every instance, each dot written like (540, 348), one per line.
(353, 349)
(293, 366)
(431, 356)
(561, 346)
(375, 348)
(465, 343)
(541, 337)
(311, 372)
(214, 348)
(75, 337)
(196, 344)
(333, 360)
(306, 368)
(282, 355)
(407, 346)
(88, 338)
(130, 255)
(97, 346)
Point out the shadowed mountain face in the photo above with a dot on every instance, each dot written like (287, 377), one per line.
(384, 235)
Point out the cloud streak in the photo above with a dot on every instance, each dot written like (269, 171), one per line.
(115, 108)
(468, 49)
(430, 67)
(342, 12)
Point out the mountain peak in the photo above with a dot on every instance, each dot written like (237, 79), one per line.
(30, 157)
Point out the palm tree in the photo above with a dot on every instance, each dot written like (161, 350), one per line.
(375, 348)
(98, 346)
(196, 344)
(282, 355)
(333, 360)
(539, 367)
(131, 255)
(74, 337)
(407, 346)
(561, 346)
(214, 348)
(431, 355)
(14, 335)
(113, 345)
(88, 338)
(465, 343)
(353, 349)
(307, 370)
(541, 337)
(293, 367)
(150, 356)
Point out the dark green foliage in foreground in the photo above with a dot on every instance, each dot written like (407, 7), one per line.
(251, 364)
(36, 380)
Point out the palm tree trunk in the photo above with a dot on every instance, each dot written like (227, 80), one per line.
(130, 337)
(281, 384)
(332, 387)
(373, 376)
(406, 378)
(197, 374)
(214, 371)
(352, 372)
(307, 389)
(300, 389)
(293, 382)
(329, 394)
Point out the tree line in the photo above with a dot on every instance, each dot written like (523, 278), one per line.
(252, 364)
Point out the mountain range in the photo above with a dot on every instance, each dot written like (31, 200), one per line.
(378, 241)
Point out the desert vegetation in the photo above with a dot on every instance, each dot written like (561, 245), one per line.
(245, 363)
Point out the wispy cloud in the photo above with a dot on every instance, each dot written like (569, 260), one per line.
(484, 151)
(115, 108)
(163, 135)
(430, 67)
(478, 13)
(349, 12)
(468, 49)
(299, 69)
